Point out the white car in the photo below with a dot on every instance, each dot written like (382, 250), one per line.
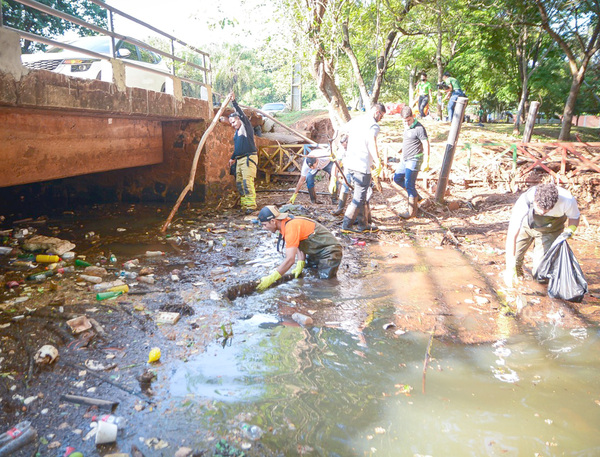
(79, 65)
(276, 107)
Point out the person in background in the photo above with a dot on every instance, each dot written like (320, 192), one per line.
(361, 154)
(538, 217)
(245, 157)
(415, 153)
(317, 159)
(304, 240)
(424, 93)
(453, 92)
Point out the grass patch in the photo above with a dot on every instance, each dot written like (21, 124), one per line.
(295, 116)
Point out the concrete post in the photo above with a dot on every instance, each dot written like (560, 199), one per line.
(457, 118)
(531, 117)
(118, 75)
(10, 54)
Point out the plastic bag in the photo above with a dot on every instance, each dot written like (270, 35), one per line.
(560, 267)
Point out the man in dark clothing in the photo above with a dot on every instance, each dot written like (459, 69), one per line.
(415, 151)
(244, 156)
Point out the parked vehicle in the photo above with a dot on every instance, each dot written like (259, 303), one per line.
(80, 65)
(276, 107)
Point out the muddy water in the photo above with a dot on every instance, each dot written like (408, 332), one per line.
(353, 383)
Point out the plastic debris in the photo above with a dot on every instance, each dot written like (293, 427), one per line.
(154, 355)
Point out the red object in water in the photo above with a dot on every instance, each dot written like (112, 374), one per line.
(69, 451)
(361, 243)
(12, 284)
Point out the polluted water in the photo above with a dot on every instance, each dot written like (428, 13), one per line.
(237, 373)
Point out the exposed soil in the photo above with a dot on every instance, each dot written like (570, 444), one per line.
(446, 264)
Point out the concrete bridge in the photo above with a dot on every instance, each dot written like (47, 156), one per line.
(96, 138)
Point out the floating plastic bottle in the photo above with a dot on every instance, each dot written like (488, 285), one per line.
(107, 295)
(82, 263)
(41, 276)
(251, 432)
(112, 258)
(128, 274)
(94, 279)
(124, 288)
(42, 258)
(302, 319)
(16, 438)
(111, 419)
(5, 250)
(154, 253)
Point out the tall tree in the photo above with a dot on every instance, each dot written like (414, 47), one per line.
(22, 17)
(575, 26)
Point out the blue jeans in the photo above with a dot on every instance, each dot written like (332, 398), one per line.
(310, 178)
(406, 176)
(452, 102)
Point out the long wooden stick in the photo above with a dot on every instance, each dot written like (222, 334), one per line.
(428, 355)
(281, 124)
(190, 185)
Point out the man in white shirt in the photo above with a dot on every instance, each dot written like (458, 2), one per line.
(316, 160)
(361, 154)
(538, 217)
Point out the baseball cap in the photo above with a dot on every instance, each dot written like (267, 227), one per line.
(270, 212)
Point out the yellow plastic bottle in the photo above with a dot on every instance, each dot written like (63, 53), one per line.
(43, 258)
(124, 288)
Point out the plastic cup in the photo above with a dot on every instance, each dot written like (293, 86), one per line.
(106, 433)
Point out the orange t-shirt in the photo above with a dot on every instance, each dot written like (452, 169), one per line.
(296, 230)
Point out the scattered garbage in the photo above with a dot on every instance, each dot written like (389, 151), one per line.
(111, 419)
(154, 355)
(89, 278)
(167, 318)
(108, 295)
(302, 319)
(251, 432)
(16, 438)
(106, 432)
(79, 324)
(46, 355)
(154, 253)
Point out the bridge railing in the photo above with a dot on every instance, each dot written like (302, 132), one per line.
(198, 74)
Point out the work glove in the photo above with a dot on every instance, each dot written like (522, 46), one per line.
(267, 281)
(510, 276)
(297, 271)
(377, 171)
(425, 167)
(569, 231)
(332, 186)
(293, 198)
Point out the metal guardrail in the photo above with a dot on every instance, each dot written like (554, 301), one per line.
(205, 68)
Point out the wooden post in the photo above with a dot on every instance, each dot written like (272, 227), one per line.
(457, 118)
(531, 116)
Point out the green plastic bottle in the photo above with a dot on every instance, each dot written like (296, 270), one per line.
(108, 295)
(82, 263)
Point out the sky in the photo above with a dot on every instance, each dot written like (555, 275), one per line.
(198, 22)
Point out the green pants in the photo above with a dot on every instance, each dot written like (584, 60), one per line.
(541, 231)
(244, 180)
(323, 251)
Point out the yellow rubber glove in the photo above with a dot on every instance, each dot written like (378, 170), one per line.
(425, 167)
(510, 277)
(332, 186)
(297, 271)
(267, 281)
(377, 171)
(570, 231)
(293, 198)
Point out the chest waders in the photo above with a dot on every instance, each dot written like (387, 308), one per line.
(323, 251)
(540, 230)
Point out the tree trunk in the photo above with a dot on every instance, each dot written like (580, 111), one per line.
(524, 95)
(565, 130)
(439, 64)
(325, 78)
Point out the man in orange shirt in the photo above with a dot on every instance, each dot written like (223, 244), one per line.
(304, 239)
